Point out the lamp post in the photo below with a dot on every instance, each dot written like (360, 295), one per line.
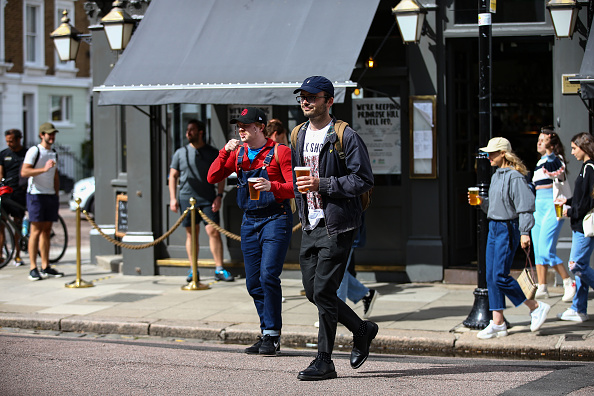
(480, 315)
(118, 26)
(410, 17)
(66, 39)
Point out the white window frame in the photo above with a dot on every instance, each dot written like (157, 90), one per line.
(66, 103)
(39, 38)
(69, 6)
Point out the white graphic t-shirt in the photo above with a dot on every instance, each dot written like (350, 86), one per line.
(312, 146)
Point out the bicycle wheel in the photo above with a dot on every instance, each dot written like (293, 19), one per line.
(8, 246)
(58, 240)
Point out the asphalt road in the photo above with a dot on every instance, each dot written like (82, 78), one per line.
(51, 363)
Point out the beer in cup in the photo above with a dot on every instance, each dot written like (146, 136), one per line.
(473, 196)
(254, 194)
(558, 209)
(302, 171)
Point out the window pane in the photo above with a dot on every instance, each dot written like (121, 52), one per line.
(31, 32)
(56, 108)
(466, 11)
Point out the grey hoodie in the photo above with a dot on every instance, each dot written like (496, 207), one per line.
(510, 198)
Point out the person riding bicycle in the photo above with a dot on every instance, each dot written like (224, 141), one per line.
(42, 200)
(11, 160)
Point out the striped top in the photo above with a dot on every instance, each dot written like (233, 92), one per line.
(548, 168)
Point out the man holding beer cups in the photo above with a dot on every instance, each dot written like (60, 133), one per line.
(264, 188)
(329, 206)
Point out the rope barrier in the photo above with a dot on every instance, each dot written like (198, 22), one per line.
(144, 245)
(169, 232)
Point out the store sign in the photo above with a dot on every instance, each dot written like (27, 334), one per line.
(377, 121)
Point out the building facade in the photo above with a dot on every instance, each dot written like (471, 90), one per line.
(417, 110)
(35, 86)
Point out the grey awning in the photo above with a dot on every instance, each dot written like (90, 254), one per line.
(237, 51)
(586, 76)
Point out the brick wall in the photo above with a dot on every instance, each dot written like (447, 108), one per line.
(13, 40)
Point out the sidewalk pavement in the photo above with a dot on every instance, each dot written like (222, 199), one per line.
(417, 318)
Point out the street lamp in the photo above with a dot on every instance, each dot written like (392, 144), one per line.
(118, 26)
(410, 17)
(564, 15)
(66, 39)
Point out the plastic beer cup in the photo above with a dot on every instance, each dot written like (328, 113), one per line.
(254, 194)
(473, 196)
(302, 171)
(558, 210)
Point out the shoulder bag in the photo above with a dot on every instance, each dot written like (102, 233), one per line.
(526, 278)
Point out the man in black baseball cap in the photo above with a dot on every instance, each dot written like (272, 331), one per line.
(250, 115)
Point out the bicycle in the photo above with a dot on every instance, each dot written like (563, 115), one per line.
(58, 235)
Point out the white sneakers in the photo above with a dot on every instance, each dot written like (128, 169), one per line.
(537, 318)
(492, 331)
(569, 287)
(539, 315)
(542, 292)
(572, 316)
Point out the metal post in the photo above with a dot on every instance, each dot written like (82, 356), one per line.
(195, 284)
(480, 315)
(78, 282)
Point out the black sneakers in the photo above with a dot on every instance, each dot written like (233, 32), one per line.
(34, 275)
(266, 345)
(270, 345)
(368, 302)
(49, 271)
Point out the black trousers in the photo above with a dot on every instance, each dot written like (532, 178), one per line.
(323, 262)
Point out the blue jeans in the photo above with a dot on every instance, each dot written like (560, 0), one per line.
(501, 247)
(545, 232)
(581, 250)
(350, 287)
(264, 243)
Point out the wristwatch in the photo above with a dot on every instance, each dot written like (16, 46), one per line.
(220, 195)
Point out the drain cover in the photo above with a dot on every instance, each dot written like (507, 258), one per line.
(124, 297)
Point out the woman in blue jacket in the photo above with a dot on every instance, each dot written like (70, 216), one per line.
(582, 148)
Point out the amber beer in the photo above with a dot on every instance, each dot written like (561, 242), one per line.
(559, 209)
(254, 194)
(302, 171)
(473, 196)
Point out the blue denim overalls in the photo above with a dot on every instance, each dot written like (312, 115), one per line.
(265, 235)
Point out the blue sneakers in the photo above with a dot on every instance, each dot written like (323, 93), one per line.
(224, 275)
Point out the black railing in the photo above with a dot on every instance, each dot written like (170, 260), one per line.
(71, 168)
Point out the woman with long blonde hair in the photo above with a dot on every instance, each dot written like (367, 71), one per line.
(509, 207)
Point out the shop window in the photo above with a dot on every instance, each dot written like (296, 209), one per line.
(517, 11)
(61, 108)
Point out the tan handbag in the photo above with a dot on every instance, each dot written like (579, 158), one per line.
(526, 278)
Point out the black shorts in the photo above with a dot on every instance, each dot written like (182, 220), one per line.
(206, 209)
(43, 207)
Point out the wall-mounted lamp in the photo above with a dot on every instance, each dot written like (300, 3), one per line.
(66, 39)
(118, 26)
(410, 17)
(564, 15)
(370, 62)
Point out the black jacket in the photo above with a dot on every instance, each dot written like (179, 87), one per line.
(340, 187)
(582, 200)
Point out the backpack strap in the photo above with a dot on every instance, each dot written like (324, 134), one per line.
(294, 134)
(339, 127)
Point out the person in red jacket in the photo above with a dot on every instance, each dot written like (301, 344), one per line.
(266, 226)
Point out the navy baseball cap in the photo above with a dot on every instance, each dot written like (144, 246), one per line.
(315, 84)
(249, 115)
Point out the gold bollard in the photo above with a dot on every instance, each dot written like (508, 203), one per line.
(194, 285)
(78, 283)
